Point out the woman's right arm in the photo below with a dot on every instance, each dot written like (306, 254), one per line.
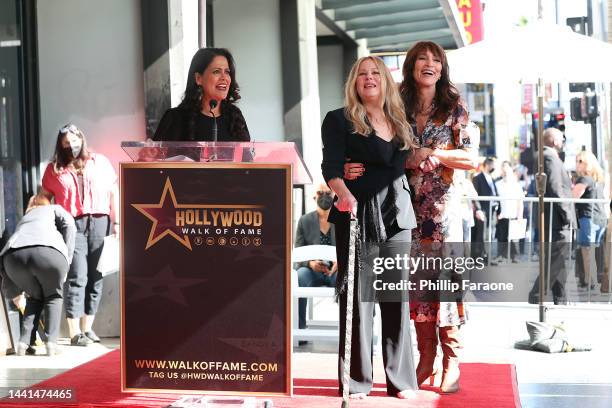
(49, 178)
(346, 201)
(578, 190)
(334, 156)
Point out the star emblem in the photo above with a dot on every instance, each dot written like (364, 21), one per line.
(163, 216)
(163, 284)
(264, 349)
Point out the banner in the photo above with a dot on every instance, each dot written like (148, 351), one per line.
(471, 16)
(205, 277)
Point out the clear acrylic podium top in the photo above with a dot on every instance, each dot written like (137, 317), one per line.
(232, 152)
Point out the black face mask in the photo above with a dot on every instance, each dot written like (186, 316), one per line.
(325, 201)
(67, 153)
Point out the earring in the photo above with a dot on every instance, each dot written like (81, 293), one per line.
(199, 94)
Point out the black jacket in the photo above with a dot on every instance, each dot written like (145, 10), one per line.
(309, 232)
(558, 185)
(483, 189)
(340, 143)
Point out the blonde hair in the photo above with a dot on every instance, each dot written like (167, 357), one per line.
(592, 167)
(391, 104)
(38, 200)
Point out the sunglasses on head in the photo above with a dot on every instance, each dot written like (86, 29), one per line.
(70, 129)
(321, 192)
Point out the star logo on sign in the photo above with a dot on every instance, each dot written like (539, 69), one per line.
(163, 284)
(163, 215)
(264, 349)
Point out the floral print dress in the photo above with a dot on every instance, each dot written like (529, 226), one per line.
(437, 206)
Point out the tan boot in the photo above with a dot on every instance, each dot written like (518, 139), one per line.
(427, 343)
(449, 340)
(605, 287)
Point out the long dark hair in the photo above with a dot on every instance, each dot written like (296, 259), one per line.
(447, 96)
(192, 101)
(61, 158)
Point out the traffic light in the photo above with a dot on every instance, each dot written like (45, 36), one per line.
(558, 121)
(584, 108)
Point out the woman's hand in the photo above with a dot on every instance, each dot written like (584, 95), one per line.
(353, 170)
(20, 302)
(347, 203)
(317, 266)
(417, 157)
(430, 164)
(421, 154)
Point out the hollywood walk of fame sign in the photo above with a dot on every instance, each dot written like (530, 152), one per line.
(205, 277)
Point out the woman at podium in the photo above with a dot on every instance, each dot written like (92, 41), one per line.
(208, 111)
(372, 129)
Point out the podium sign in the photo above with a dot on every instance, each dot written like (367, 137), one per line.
(205, 277)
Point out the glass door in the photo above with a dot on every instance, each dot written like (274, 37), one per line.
(11, 117)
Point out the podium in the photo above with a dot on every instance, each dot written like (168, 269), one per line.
(205, 266)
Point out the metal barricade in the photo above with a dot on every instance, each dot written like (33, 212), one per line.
(532, 226)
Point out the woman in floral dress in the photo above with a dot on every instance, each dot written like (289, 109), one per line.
(439, 120)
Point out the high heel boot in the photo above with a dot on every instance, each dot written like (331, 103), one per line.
(427, 343)
(449, 340)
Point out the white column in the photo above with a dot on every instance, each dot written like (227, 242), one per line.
(310, 122)
(183, 32)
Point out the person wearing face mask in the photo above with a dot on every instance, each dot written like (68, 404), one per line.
(210, 100)
(85, 185)
(314, 229)
(558, 234)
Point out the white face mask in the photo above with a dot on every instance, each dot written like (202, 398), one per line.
(75, 147)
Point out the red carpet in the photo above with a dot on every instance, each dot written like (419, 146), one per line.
(96, 384)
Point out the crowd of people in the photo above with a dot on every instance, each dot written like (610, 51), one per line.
(399, 160)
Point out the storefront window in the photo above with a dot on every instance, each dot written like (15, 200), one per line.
(11, 102)
(479, 99)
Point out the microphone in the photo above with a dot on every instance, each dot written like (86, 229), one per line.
(213, 105)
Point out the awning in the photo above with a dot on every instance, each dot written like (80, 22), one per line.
(395, 25)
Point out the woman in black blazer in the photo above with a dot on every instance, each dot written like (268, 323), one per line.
(372, 129)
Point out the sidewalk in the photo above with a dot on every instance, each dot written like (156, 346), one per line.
(545, 380)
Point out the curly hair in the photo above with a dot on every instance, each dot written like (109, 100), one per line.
(192, 100)
(446, 99)
(391, 102)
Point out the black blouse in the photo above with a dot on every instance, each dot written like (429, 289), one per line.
(382, 166)
(174, 126)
